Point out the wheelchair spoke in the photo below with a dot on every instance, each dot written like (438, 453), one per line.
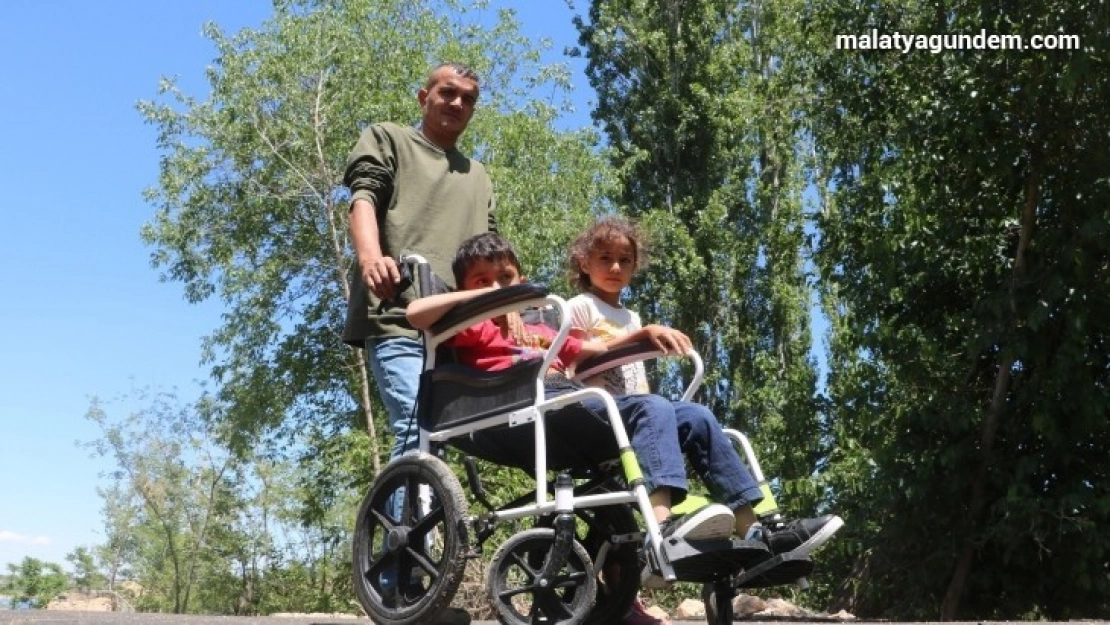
(549, 603)
(426, 565)
(509, 593)
(569, 581)
(383, 519)
(525, 567)
(428, 523)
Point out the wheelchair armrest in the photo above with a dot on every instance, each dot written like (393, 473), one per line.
(470, 309)
(615, 357)
(636, 352)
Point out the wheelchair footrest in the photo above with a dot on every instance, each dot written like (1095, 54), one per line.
(705, 561)
(781, 569)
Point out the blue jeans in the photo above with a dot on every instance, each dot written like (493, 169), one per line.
(396, 364)
(662, 432)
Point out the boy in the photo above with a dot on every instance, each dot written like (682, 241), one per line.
(660, 430)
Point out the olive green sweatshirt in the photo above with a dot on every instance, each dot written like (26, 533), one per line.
(428, 201)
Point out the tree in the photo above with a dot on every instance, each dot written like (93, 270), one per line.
(697, 103)
(965, 192)
(36, 581)
(119, 514)
(249, 208)
(180, 488)
(86, 576)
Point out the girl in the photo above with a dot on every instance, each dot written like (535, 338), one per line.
(602, 261)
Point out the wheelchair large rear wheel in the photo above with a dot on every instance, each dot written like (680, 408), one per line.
(521, 596)
(410, 541)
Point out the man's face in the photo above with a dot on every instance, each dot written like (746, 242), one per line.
(448, 103)
(484, 273)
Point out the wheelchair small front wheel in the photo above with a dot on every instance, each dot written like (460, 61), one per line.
(522, 596)
(597, 528)
(409, 542)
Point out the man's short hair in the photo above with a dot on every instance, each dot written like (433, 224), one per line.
(462, 70)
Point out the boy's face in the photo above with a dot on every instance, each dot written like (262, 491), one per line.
(484, 273)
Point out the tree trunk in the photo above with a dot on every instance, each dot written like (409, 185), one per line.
(958, 584)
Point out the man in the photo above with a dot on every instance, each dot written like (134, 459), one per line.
(412, 191)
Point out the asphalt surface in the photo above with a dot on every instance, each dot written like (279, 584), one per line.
(132, 618)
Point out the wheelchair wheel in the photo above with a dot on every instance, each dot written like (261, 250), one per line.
(520, 597)
(717, 598)
(410, 541)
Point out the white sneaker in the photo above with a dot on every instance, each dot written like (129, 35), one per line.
(712, 521)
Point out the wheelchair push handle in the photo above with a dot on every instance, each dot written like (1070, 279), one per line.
(417, 270)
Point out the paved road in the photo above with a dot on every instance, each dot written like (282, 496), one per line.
(117, 618)
(44, 617)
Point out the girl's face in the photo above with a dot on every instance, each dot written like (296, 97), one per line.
(610, 265)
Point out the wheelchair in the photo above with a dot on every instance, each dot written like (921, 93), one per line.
(583, 558)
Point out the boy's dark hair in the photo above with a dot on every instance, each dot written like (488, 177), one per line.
(489, 246)
(605, 229)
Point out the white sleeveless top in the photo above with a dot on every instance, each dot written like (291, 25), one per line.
(600, 321)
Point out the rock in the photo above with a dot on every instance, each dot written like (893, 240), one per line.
(659, 613)
(747, 605)
(844, 615)
(80, 602)
(781, 607)
(690, 609)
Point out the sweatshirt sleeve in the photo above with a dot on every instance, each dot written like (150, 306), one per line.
(371, 167)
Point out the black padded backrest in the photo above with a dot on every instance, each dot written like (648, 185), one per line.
(454, 394)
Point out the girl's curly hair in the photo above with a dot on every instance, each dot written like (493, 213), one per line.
(606, 228)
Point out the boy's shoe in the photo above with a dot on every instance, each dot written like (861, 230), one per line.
(708, 523)
(800, 537)
(638, 615)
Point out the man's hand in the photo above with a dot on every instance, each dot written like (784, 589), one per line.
(381, 276)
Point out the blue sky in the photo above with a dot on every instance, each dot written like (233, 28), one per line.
(82, 313)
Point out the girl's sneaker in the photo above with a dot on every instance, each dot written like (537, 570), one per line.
(708, 523)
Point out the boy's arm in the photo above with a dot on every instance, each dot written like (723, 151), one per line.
(424, 312)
